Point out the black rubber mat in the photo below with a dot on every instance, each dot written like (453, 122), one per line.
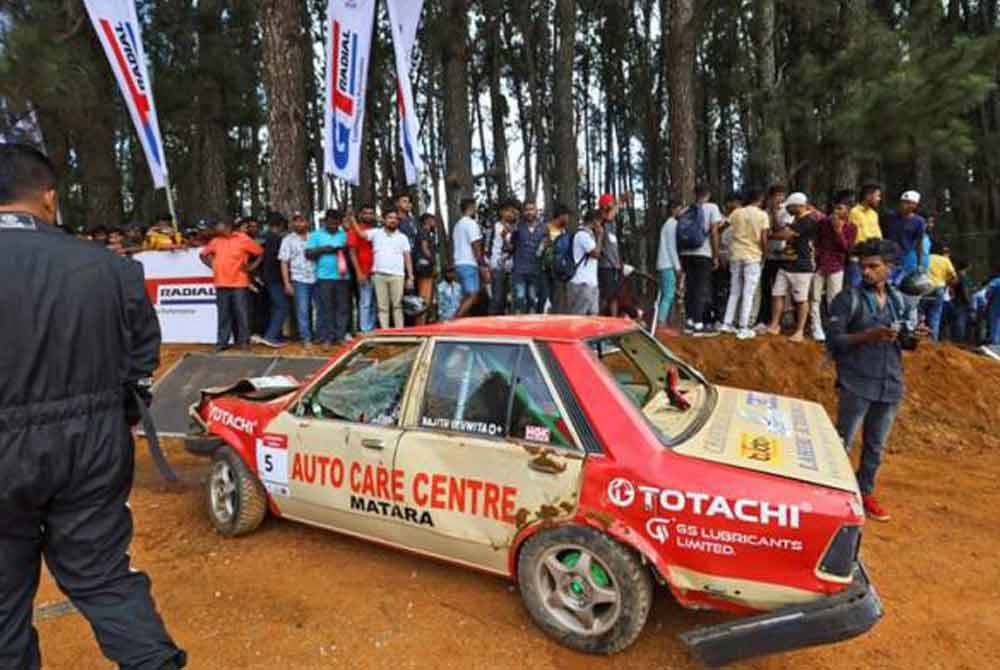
(175, 391)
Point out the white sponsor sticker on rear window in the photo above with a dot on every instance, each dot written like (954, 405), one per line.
(537, 434)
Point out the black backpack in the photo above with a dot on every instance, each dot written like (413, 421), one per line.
(563, 264)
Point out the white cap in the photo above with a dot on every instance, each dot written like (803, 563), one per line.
(796, 199)
(911, 196)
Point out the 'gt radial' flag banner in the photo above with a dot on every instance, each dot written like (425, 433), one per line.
(117, 25)
(404, 15)
(348, 43)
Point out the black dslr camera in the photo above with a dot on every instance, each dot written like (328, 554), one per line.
(905, 336)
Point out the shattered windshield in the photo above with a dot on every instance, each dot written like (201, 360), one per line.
(670, 394)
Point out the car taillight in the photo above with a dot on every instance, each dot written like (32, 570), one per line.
(839, 559)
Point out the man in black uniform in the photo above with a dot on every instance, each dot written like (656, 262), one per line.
(78, 334)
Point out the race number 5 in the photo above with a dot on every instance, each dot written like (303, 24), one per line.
(272, 463)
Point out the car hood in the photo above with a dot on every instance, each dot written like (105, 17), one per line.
(773, 434)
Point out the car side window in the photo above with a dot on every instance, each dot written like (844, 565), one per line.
(469, 388)
(492, 390)
(368, 387)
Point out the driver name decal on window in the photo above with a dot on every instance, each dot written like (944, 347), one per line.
(462, 426)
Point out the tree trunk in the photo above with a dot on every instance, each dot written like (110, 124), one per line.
(281, 24)
(498, 101)
(768, 162)
(680, 73)
(458, 142)
(211, 111)
(566, 175)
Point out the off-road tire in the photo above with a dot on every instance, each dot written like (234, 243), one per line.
(249, 501)
(626, 571)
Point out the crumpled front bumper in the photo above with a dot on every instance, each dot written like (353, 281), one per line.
(847, 614)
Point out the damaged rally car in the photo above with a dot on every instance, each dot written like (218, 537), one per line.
(577, 456)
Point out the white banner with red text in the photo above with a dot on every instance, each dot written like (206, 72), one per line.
(117, 25)
(180, 287)
(348, 44)
(404, 16)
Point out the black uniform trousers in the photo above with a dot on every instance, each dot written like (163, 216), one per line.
(66, 500)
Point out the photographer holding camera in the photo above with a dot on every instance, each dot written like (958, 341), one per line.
(868, 329)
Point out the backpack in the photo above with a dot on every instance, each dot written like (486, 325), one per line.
(691, 229)
(563, 264)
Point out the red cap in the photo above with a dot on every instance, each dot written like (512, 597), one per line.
(605, 200)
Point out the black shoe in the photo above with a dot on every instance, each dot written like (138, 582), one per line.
(219, 348)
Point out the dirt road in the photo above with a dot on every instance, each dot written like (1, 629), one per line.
(289, 596)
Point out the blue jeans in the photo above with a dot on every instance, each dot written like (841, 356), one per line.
(995, 329)
(668, 288)
(304, 296)
(279, 311)
(526, 291)
(366, 306)
(932, 307)
(957, 315)
(333, 298)
(875, 420)
(233, 308)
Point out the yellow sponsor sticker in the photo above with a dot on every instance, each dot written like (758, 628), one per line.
(760, 448)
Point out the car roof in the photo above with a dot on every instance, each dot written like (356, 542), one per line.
(538, 327)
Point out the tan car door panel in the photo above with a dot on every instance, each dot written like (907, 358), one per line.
(480, 492)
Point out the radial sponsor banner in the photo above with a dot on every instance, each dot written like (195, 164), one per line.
(118, 28)
(180, 288)
(404, 16)
(349, 38)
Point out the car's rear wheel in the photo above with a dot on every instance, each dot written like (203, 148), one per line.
(236, 499)
(584, 589)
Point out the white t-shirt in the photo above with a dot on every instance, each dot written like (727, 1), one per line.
(586, 271)
(465, 233)
(293, 252)
(390, 250)
(666, 253)
(712, 215)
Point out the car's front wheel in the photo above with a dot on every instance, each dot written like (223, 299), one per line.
(236, 499)
(584, 589)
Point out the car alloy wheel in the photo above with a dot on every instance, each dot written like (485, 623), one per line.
(578, 590)
(222, 492)
(234, 496)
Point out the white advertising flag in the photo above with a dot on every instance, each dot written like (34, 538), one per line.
(348, 43)
(404, 15)
(118, 28)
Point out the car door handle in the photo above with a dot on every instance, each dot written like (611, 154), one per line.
(372, 443)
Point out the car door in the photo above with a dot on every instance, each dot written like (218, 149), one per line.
(490, 450)
(341, 441)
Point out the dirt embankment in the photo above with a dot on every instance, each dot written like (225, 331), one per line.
(292, 597)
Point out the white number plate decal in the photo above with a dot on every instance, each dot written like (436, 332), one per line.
(272, 463)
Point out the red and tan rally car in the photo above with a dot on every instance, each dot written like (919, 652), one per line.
(577, 456)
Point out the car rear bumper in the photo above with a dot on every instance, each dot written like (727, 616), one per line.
(847, 614)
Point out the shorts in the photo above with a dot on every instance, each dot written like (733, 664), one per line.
(610, 281)
(797, 284)
(468, 278)
(582, 299)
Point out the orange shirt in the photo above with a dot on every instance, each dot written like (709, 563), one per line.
(231, 254)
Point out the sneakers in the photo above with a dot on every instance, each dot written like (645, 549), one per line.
(873, 510)
(257, 339)
(707, 330)
(746, 334)
(819, 335)
(728, 329)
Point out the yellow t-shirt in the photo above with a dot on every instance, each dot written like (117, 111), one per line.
(747, 224)
(866, 219)
(155, 240)
(940, 271)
